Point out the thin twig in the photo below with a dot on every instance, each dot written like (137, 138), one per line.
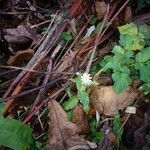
(32, 90)
(29, 117)
(96, 41)
(34, 71)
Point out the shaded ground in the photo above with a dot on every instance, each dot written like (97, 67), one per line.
(43, 44)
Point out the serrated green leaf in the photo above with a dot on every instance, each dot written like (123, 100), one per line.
(82, 94)
(128, 58)
(130, 38)
(121, 81)
(114, 64)
(144, 71)
(15, 135)
(79, 85)
(105, 60)
(118, 50)
(130, 42)
(126, 41)
(125, 70)
(143, 55)
(117, 127)
(84, 99)
(130, 29)
(145, 30)
(71, 103)
(66, 36)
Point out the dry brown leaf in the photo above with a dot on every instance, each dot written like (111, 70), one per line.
(21, 30)
(80, 119)
(20, 57)
(100, 8)
(107, 102)
(63, 134)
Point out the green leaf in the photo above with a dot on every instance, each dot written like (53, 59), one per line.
(79, 85)
(130, 38)
(2, 108)
(115, 65)
(66, 36)
(121, 81)
(84, 99)
(99, 25)
(70, 115)
(95, 134)
(117, 127)
(15, 135)
(93, 20)
(118, 50)
(130, 42)
(105, 60)
(145, 30)
(130, 29)
(125, 69)
(68, 90)
(144, 71)
(71, 103)
(82, 94)
(143, 55)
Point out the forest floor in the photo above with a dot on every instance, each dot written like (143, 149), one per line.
(75, 74)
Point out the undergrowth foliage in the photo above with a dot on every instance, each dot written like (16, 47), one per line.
(13, 133)
(130, 60)
(131, 57)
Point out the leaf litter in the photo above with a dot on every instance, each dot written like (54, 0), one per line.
(42, 50)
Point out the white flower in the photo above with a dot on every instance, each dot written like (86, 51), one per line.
(131, 110)
(86, 79)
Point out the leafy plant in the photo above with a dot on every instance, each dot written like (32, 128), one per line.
(66, 36)
(40, 142)
(95, 134)
(82, 96)
(82, 81)
(13, 133)
(72, 101)
(117, 127)
(126, 62)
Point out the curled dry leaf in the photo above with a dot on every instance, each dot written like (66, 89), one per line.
(100, 8)
(62, 133)
(80, 119)
(20, 57)
(21, 30)
(107, 102)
